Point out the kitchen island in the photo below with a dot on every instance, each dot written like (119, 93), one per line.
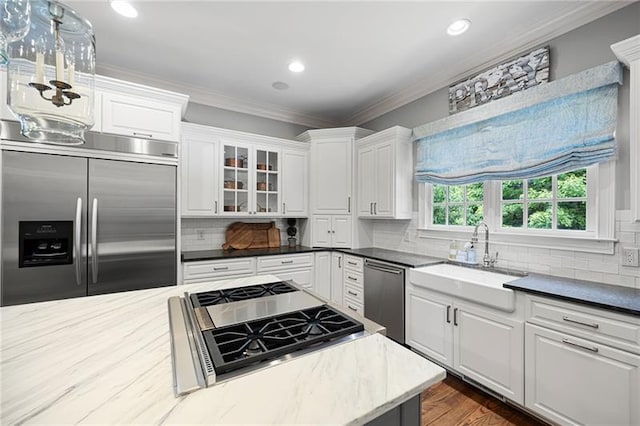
(107, 359)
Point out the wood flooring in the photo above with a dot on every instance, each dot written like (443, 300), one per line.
(454, 402)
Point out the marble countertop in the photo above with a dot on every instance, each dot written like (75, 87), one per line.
(107, 359)
(611, 297)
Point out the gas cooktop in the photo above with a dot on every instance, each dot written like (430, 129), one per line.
(241, 329)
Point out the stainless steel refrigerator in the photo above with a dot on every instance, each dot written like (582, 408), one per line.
(74, 226)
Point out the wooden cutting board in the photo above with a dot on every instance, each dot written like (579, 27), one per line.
(240, 236)
(274, 236)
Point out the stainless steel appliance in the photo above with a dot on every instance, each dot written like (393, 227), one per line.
(217, 335)
(75, 226)
(384, 296)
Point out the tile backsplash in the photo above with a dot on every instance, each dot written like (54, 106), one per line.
(403, 236)
(213, 231)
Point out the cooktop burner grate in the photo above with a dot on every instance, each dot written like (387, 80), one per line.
(240, 345)
(218, 297)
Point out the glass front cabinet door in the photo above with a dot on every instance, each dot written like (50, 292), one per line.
(267, 182)
(251, 180)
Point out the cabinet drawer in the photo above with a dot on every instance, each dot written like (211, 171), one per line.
(354, 293)
(354, 278)
(303, 277)
(353, 263)
(352, 305)
(617, 330)
(269, 263)
(199, 271)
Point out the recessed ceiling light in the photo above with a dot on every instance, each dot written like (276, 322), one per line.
(280, 85)
(458, 27)
(296, 66)
(124, 8)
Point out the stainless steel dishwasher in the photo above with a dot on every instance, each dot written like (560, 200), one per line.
(384, 296)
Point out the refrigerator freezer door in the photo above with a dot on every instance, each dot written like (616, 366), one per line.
(43, 227)
(132, 226)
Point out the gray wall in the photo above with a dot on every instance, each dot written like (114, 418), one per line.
(575, 51)
(218, 117)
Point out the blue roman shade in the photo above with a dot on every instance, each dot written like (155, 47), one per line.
(553, 128)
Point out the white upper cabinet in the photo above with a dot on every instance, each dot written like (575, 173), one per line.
(385, 174)
(331, 231)
(146, 118)
(295, 183)
(230, 173)
(331, 176)
(198, 161)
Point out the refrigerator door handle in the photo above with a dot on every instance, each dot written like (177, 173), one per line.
(94, 241)
(78, 241)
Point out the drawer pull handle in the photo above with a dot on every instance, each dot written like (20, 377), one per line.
(449, 314)
(352, 308)
(592, 325)
(352, 278)
(284, 262)
(352, 293)
(352, 263)
(221, 268)
(455, 316)
(577, 345)
(149, 135)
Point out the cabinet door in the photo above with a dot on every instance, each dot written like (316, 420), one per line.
(302, 277)
(321, 231)
(295, 183)
(341, 231)
(384, 186)
(337, 265)
(266, 189)
(428, 326)
(366, 181)
(198, 160)
(331, 176)
(235, 166)
(128, 115)
(488, 348)
(575, 381)
(322, 282)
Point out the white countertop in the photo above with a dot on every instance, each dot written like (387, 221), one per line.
(107, 359)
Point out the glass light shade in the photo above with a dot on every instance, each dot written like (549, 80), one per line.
(51, 75)
(15, 19)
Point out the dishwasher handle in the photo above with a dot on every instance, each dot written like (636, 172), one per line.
(382, 267)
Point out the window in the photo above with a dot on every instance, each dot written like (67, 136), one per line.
(457, 205)
(552, 202)
(553, 211)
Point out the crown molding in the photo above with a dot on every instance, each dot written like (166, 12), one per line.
(627, 50)
(334, 133)
(571, 20)
(204, 96)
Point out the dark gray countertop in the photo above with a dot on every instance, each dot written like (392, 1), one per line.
(611, 297)
(410, 260)
(193, 256)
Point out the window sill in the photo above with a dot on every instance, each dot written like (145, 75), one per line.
(557, 242)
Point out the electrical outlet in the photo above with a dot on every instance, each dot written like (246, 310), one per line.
(407, 236)
(200, 234)
(630, 256)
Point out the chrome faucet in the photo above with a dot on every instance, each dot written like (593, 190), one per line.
(487, 260)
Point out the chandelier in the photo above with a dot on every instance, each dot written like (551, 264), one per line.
(51, 73)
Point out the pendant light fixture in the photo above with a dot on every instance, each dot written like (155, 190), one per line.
(51, 75)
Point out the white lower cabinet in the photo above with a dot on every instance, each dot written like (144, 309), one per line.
(573, 381)
(323, 273)
(337, 268)
(210, 270)
(483, 344)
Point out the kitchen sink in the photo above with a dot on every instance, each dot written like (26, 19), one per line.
(474, 284)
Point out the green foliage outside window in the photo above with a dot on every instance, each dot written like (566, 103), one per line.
(458, 205)
(570, 202)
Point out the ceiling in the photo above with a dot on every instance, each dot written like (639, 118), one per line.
(362, 58)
